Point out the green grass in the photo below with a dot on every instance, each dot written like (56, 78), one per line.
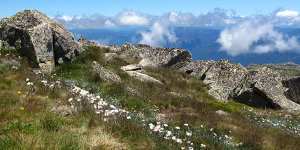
(26, 121)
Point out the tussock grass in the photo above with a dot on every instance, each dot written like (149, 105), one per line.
(26, 121)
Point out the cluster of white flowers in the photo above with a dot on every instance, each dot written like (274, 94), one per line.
(101, 107)
(173, 134)
(50, 84)
(181, 135)
(28, 83)
(288, 124)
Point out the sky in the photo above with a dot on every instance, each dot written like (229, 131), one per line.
(154, 7)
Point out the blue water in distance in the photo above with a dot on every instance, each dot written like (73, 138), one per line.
(201, 42)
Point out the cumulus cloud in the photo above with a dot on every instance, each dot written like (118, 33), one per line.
(287, 13)
(132, 18)
(254, 37)
(214, 18)
(109, 23)
(158, 35)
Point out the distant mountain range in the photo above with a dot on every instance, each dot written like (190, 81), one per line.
(201, 41)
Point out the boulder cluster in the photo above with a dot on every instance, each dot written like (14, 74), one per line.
(43, 41)
(261, 87)
(46, 43)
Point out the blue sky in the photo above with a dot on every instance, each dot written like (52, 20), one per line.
(155, 7)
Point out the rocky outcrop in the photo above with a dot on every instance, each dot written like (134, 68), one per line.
(155, 57)
(43, 41)
(262, 87)
(105, 74)
(293, 92)
(222, 77)
(268, 83)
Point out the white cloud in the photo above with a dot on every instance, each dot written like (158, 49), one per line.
(287, 13)
(66, 18)
(132, 18)
(254, 37)
(109, 23)
(158, 35)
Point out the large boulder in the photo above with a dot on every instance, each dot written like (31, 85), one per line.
(43, 41)
(293, 85)
(262, 87)
(222, 77)
(150, 56)
(268, 84)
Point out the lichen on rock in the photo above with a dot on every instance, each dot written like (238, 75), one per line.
(42, 40)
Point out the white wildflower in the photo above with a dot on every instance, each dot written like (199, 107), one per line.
(169, 133)
(178, 128)
(70, 99)
(179, 141)
(151, 126)
(156, 128)
(128, 117)
(186, 124)
(203, 146)
(190, 148)
(174, 138)
(188, 133)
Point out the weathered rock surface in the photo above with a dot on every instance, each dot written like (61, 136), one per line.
(222, 77)
(105, 74)
(41, 40)
(137, 72)
(267, 83)
(155, 57)
(262, 87)
(293, 92)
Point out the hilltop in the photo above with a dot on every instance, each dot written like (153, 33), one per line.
(134, 96)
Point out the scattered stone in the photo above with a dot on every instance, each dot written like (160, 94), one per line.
(137, 72)
(221, 113)
(105, 74)
(143, 77)
(132, 67)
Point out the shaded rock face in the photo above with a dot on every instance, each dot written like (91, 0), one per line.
(41, 40)
(262, 87)
(222, 77)
(154, 57)
(268, 83)
(293, 92)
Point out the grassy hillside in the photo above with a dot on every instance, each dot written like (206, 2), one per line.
(180, 105)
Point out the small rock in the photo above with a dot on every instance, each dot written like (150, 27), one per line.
(221, 113)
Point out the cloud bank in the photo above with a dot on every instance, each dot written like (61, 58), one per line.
(132, 18)
(214, 18)
(158, 35)
(255, 37)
